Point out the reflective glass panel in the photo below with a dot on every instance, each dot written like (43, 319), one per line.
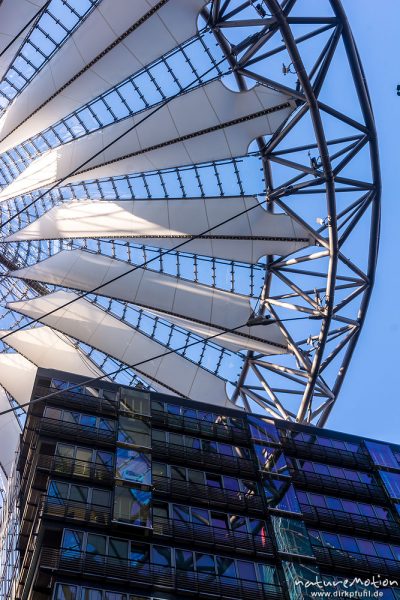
(133, 465)
(291, 536)
(134, 431)
(281, 494)
(132, 506)
(65, 591)
(392, 483)
(382, 455)
(262, 429)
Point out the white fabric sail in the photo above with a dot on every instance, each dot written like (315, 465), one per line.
(92, 325)
(165, 223)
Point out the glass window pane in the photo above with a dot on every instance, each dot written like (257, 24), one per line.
(134, 431)
(184, 560)
(96, 544)
(88, 421)
(105, 459)
(281, 494)
(161, 556)
(79, 493)
(132, 506)
(200, 516)
(135, 401)
(291, 536)
(180, 512)
(58, 490)
(263, 429)
(246, 570)
(65, 450)
(196, 476)
(333, 503)
(178, 473)
(65, 591)
(205, 563)
(72, 543)
(133, 466)
(392, 483)
(226, 567)
(382, 454)
(267, 574)
(330, 540)
(52, 413)
(101, 497)
(347, 543)
(118, 548)
(159, 469)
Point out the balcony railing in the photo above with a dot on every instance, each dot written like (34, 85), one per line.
(211, 496)
(218, 537)
(350, 521)
(211, 460)
(147, 575)
(355, 562)
(335, 456)
(58, 508)
(80, 401)
(72, 467)
(74, 431)
(343, 487)
(201, 427)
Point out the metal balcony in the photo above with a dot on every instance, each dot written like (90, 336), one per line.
(147, 576)
(78, 469)
(346, 521)
(217, 498)
(201, 458)
(73, 431)
(356, 563)
(215, 537)
(334, 456)
(85, 402)
(341, 487)
(70, 510)
(200, 427)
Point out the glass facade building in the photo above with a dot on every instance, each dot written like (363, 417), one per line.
(126, 494)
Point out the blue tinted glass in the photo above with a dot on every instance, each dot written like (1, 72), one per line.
(382, 455)
(132, 506)
(291, 536)
(392, 483)
(330, 540)
(133, 466)
(65, 591)
(281, 494)
(271, 459)
(348, 543)
(72, 543)
(333, 503)
(383, 550)
(267, 574)
(262, 429)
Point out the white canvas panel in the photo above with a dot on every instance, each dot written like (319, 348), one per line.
(17, 376)
(156, 143)
(197, 306)
(9, 434)
(168, 27)
(95, 327)
(165, 223)
(51, 350)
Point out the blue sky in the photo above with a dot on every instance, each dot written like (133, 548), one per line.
(369, 400)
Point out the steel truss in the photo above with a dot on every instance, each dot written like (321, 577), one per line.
(338, 302)
(328, 285)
